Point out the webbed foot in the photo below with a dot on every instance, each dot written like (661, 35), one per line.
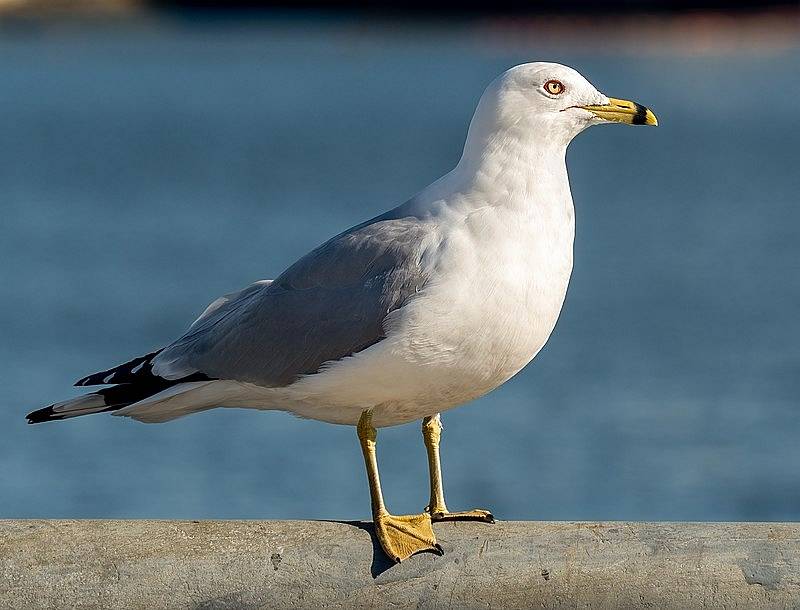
(476, 514)
(403, 536)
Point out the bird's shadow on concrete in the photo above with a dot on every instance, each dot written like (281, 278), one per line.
(380, 561)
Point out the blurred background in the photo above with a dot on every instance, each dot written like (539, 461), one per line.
(158, 154)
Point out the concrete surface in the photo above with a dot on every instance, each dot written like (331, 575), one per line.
(282, 564)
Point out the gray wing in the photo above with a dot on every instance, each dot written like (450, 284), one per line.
(328, 305)
(220, 306)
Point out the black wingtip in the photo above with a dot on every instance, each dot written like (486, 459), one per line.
(101, 378)
(132, 371)
(94, 379)
(42, 415)
(46, 414)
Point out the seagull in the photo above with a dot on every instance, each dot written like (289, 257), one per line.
(416, 311)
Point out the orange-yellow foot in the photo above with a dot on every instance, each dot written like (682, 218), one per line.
(402, 536)
(476, 514)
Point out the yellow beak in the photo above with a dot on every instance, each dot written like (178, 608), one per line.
(623, 111)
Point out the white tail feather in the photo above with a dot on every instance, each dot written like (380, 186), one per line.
(179, 400)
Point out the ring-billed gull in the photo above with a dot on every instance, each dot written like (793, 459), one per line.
(414, 312)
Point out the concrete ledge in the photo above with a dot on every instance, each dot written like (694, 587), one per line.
(282, 564)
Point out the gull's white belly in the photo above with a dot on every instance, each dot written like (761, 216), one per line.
(488, 310)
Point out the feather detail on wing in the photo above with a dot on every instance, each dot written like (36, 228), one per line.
(218, 307)
(328, 305)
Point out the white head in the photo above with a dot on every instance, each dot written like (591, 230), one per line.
(548, 103)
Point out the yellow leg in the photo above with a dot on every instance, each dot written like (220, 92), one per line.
(432, 434)
(400, 536)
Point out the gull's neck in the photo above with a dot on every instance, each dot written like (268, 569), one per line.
(517, 165)
(514, 164)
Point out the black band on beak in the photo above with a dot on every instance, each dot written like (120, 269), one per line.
(640, 118)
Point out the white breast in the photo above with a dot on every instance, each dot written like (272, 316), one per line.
(504, 278)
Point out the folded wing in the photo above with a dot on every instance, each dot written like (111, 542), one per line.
(328, 305)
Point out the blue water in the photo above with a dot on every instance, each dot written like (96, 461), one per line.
(147, 168)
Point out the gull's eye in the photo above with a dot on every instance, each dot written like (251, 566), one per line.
(554, 87)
